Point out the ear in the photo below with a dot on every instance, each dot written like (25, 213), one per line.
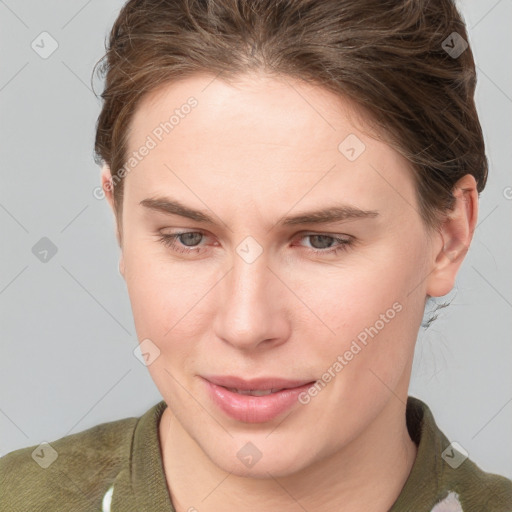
(108, 186)
(108, 189)
(456, 233)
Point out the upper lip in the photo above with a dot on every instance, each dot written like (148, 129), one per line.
(260, 383)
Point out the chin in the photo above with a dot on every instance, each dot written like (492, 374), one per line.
(260, 460)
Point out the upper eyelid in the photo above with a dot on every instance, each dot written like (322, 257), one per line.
(301, 233)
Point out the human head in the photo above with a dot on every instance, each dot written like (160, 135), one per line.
(276, 88)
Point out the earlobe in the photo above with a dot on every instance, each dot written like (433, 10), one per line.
(456, 232)
(121, 266)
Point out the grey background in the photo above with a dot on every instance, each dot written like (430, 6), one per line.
(67, 334)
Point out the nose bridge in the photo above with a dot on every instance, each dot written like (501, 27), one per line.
(248, 280)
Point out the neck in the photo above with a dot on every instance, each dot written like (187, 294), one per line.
(372, 470)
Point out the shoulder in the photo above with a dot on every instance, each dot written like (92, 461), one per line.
(69, 473)
(478, 489)
(443, 476)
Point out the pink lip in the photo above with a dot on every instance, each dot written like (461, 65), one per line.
(229, 381)
(254, 409)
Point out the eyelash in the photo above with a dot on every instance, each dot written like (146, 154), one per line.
(170, 241)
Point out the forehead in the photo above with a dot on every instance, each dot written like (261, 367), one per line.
(280, 101)
(262, 137)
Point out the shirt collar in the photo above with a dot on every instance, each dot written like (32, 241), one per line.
(422, 485)
(142, 487)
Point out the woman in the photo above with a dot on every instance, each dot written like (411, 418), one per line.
(291, 182)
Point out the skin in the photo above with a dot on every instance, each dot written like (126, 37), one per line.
(249, 154)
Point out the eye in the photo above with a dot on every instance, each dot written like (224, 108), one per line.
(338, 243)
(187, 237)
(184, 242)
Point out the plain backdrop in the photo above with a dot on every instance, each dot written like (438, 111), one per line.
(67, 333)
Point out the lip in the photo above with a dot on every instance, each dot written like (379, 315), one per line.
(230, 381)
(254, 409)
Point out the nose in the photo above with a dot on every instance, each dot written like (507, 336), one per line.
(253, 306)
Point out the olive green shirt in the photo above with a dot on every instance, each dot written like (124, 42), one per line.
(117, 467)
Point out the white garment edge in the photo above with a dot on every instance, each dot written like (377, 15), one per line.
(107, 499)
(449, 504)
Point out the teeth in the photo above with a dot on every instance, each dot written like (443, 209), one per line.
(255, 392)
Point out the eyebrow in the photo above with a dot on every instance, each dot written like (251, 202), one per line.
(335, 213)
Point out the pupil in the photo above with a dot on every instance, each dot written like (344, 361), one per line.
(189, 237)
(326, 238)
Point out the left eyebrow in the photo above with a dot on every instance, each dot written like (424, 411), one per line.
(336, 213)
(328, 215)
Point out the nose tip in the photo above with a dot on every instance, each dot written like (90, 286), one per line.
(251, 312)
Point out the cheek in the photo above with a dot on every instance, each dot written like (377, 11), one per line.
(355, 297)
(375, 309)
(170, 301)
(156, 291)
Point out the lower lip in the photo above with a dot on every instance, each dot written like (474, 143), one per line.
(254, 409)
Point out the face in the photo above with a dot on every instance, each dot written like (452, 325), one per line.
(256, 286)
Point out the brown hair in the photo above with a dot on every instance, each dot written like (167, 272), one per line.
(391, 57)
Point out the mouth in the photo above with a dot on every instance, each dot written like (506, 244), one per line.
(255, 400)
(255, 392)
(256, 384)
